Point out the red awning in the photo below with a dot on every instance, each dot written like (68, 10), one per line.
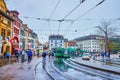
(19, 49)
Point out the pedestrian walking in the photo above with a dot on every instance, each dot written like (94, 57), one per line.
(22, 56)
(29, 54)
(102, 55)
(107, 56)
(52, 54)
(8, 55)
(94, 54)
(16, 55)
(44, 54)
(38, 53)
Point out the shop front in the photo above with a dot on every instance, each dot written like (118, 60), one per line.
(15, 44)
(5, 46)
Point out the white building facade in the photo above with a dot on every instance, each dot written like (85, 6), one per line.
(56, 41)
(90, 43)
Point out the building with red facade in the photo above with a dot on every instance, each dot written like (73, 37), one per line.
(16, 29)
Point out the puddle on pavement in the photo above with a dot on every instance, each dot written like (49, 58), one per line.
(60, 65)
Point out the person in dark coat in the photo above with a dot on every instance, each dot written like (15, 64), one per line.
(102, 55)
(29, 54)
(38, 53)
(22, 56)
(17, 55)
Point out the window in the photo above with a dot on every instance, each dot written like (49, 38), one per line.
(60, 44)
(5, 21)
(7, 13)
(55, 44)
(8, 33)
(1, 8)
(3, 33)
(9, 23)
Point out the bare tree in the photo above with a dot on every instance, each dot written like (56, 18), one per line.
(107, 29)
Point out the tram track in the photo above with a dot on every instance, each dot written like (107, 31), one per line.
(54, 73)
(38, 69)
(50, 70)
(91, 71)
(67, 76)
(57, 74)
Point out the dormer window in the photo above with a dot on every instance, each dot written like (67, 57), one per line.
(7, 13)
(1, 8)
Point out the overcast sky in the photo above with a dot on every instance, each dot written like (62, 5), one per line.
(43, 8)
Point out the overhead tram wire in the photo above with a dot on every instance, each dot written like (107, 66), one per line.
(89, 10)
(46, 19)
(49, 27)
(85, 13)
(73, 9)
(59, 26)
(30, 17)
(68, 28)
(54, 9)
(48, 34)
(81, 1)
(52, 15)
(68, 20)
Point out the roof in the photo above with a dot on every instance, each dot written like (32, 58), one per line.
(7, 16)
(56, 37)
(72, 43)
(89, 37)
(4, 4)
(65, 40)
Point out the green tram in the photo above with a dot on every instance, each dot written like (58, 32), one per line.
(64, 52)
(67, 52)
(61, 53)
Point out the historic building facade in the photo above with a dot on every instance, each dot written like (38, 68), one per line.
(5, 28)
(16, 29)
(5, 21)
(13, 33)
